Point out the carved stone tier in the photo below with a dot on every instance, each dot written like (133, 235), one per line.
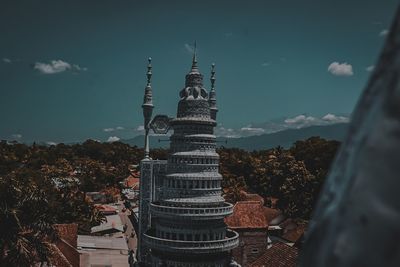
(192, 213)
(169, 259)
(194, 176)
(192, 247)
(210, 201)
(194, 121)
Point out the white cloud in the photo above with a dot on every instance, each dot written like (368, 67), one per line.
(252, 130)
(56, 66)
(266, 64)
(228, 34)
(6, 60)
(300, 119)
(107, 130)
(79, 68)
(51, 143)
(241, 132)
(226, 132)
(332, 118)
(113, 139)
(370, 68)
(16, 136)
(189, 48)
(341, 69)
(296, 122)
(384, 32)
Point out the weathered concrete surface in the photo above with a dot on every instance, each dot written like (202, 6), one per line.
(357, 221)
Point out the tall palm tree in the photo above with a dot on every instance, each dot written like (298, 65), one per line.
(26, 230)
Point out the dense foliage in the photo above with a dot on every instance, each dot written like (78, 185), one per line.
(292, 176)
(36, 189)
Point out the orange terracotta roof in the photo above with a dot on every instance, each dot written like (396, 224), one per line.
(247, 215)
(293, 234)
(135, 174)
(279, 255)
(271, 214)
(132, 182)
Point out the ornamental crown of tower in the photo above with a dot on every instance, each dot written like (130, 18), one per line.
(194, 82)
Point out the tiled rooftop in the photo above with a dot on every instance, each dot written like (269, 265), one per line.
(133, 180)
(271, 214)
(292, 231)
(247, 215)
(279, 255)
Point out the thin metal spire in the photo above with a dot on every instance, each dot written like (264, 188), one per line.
(212, 99)
(194, 60)
(212, 79)
(147, 110)
(149, 73)
(195, 52)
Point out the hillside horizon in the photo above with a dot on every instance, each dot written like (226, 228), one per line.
(284, 138)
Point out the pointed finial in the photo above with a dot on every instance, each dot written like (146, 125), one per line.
(147, 110)
(195, 52)
(212, 79)
(194, 60)
(149, 73)
(148, 92)
(212, 99)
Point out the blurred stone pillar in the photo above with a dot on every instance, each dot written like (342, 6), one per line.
(357, 220)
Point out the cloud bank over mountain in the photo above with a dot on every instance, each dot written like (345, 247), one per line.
(253, 129)
(273, 126)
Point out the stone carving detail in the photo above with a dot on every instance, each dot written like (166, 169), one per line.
(194, 93)
(144, 206)
(160, 124)
(193, 108)
(151, 175)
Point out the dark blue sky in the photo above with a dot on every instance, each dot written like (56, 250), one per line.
(272, 60)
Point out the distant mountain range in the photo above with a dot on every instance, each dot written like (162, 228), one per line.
(257, 142)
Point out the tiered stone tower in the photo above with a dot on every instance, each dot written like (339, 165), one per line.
(187, 220)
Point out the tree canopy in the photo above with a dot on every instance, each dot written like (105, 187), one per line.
(44, 185)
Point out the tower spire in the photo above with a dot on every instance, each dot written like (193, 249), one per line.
(212, 79)
(212, 100)
(194, 60)
(149, 73)
(147, 109)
